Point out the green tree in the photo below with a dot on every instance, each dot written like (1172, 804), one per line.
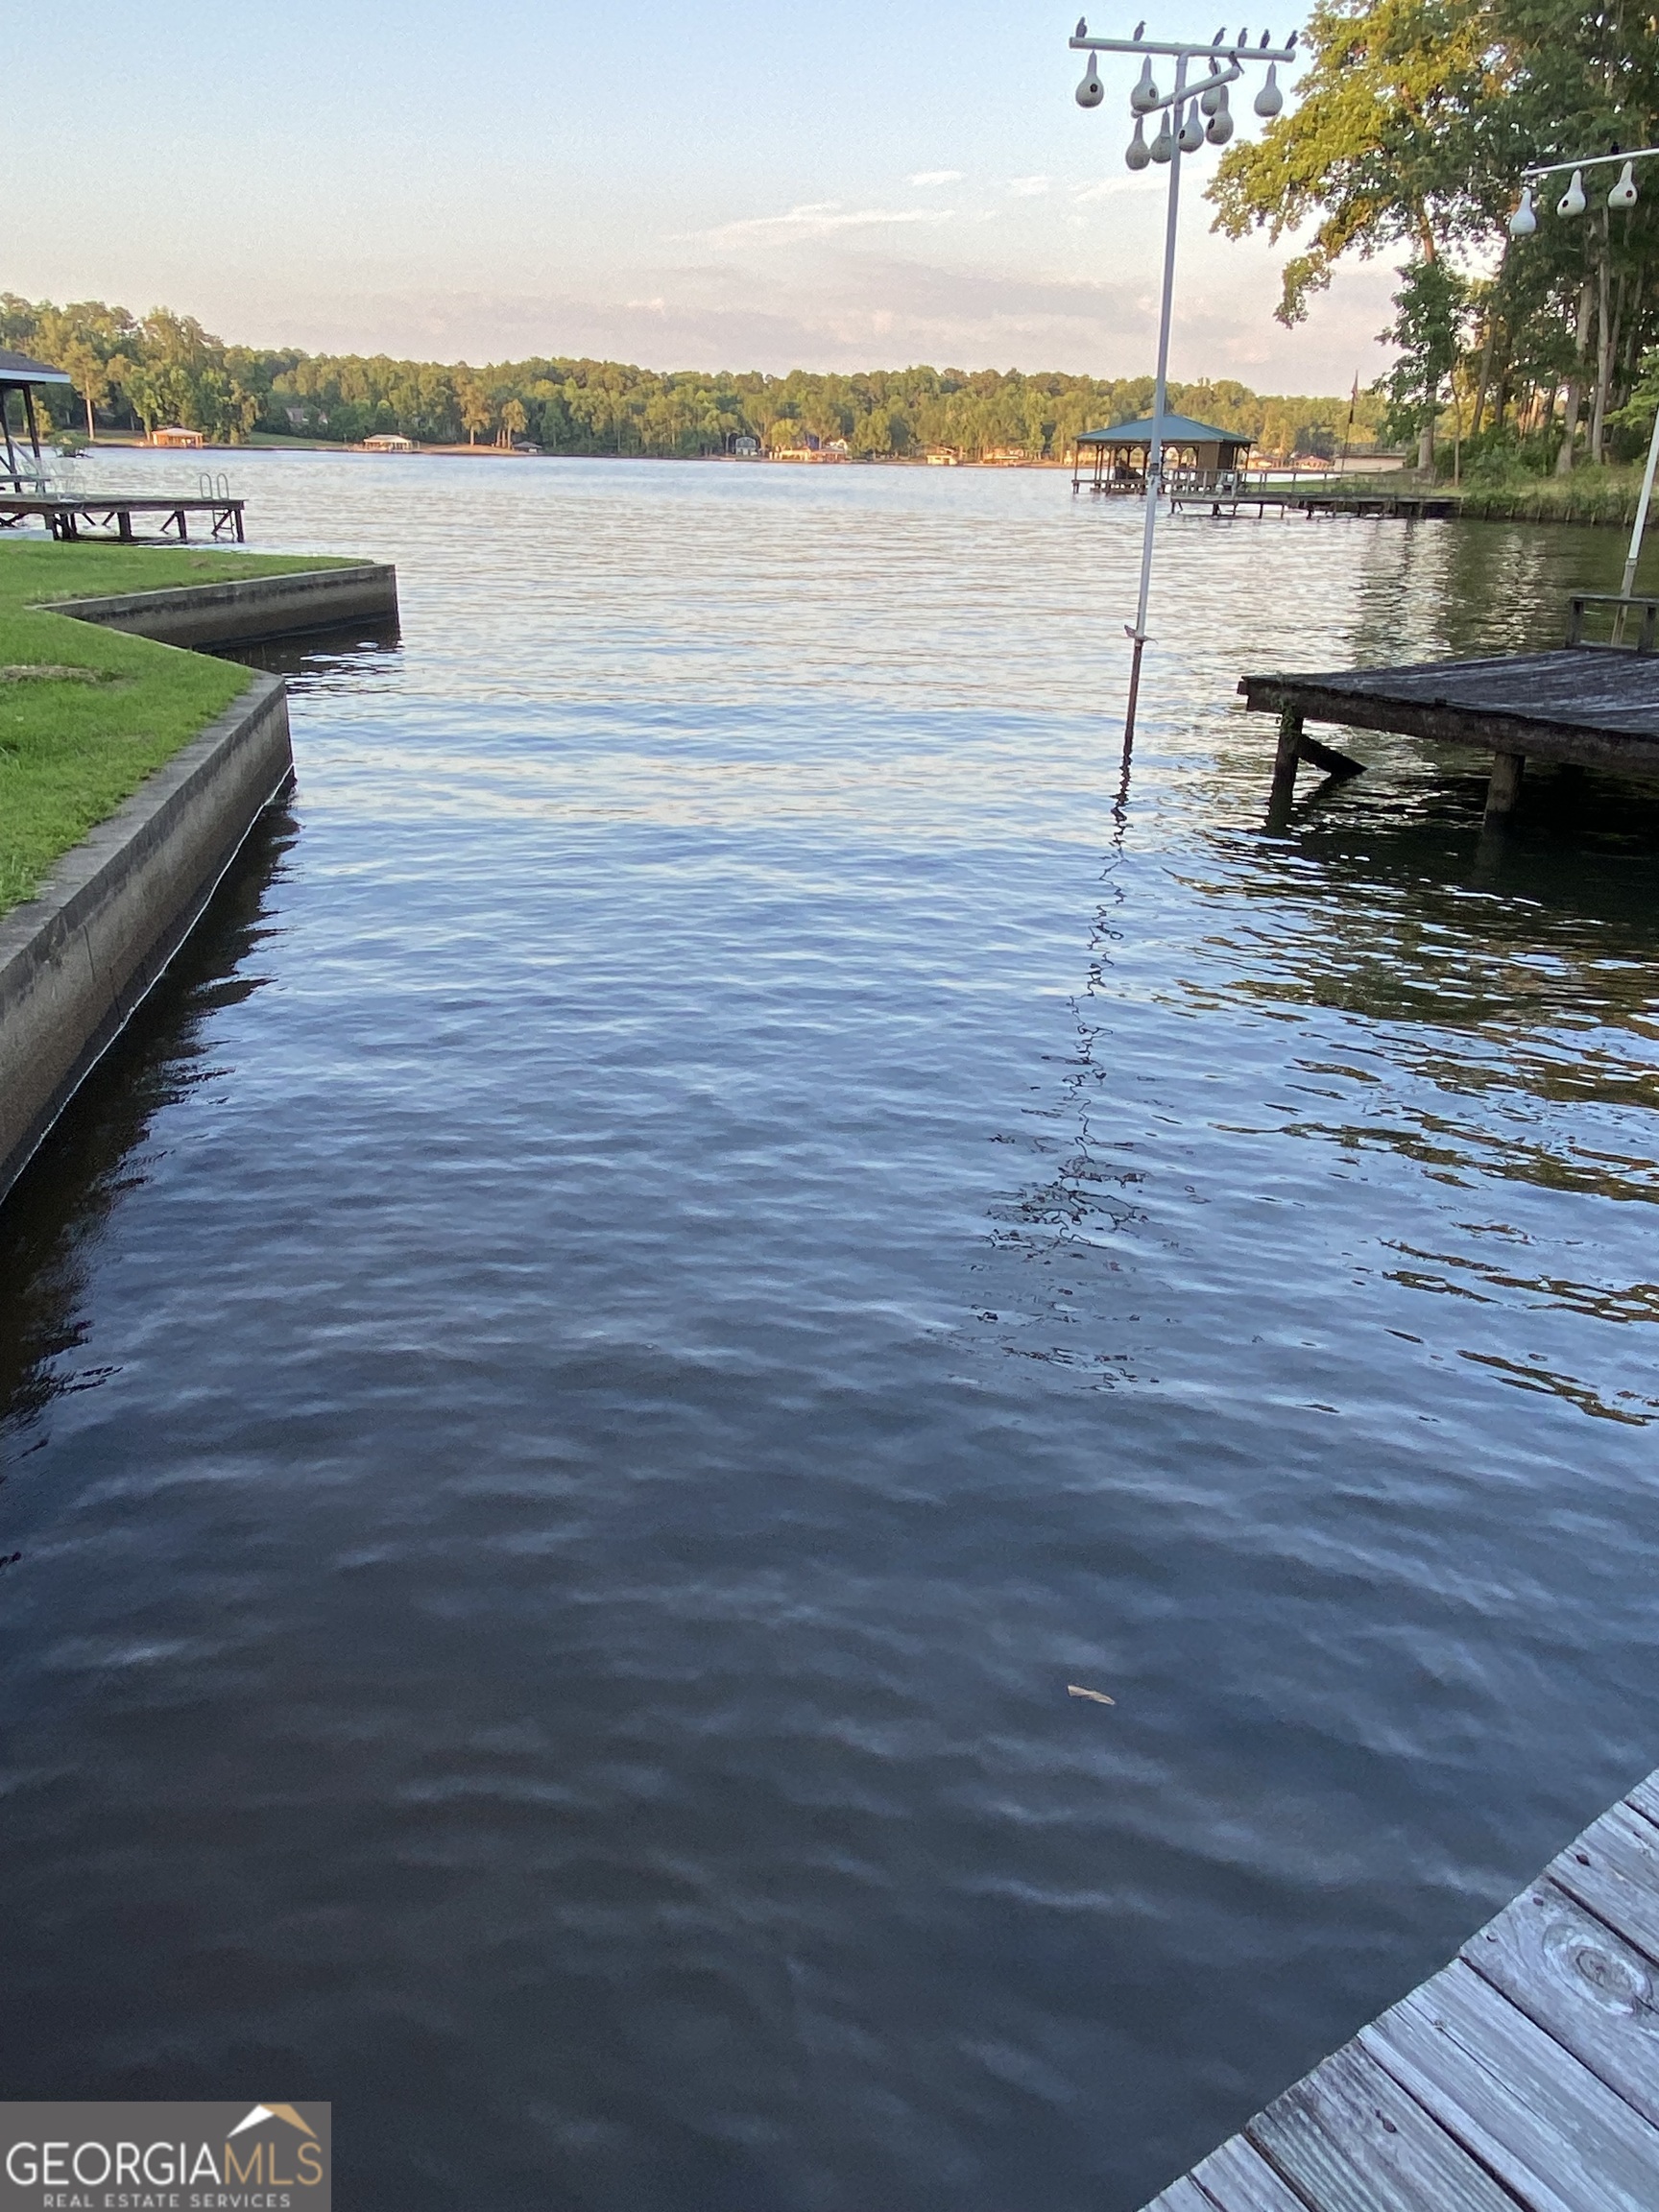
(1380, 145)
(1429, 329)
(90, 373)
(475, 410)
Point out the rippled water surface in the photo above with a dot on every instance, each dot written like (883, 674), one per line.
(721, 1211)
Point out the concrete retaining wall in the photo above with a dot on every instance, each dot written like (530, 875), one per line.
(249, 608)
(76, 961)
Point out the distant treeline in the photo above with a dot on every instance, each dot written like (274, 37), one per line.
(133, 374)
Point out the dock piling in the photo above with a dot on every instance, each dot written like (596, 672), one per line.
(1504, 786)
(1285, 763)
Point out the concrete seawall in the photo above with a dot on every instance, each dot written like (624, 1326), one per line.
(76, 961)
(249, 608)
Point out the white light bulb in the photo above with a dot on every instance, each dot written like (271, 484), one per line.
(1624, 193)
(1090, 92)
(1164, 145)
(1144, 97)
(1571, 202)
(1190, 131)
(1137, 154)
(1270, 99)
(1220, 125)
(1523, 222)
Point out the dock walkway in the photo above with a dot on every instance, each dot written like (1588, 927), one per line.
(97, 513)
(1413, 505)
(1522, 2077)
(1590, 706)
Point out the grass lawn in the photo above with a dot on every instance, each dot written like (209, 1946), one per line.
(85, 714)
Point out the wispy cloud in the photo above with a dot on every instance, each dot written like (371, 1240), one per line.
(1027, 187)
(818, 219)
(937, 176)
(1110, 187)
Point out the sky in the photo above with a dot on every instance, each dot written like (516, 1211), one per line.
(716, 186)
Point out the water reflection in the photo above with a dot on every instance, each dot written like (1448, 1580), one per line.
(322, 656)
(52, 1221)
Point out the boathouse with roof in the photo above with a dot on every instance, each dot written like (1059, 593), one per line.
(1197, 456)
(20, 373)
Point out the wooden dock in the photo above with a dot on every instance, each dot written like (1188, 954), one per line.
(1524, 2078)
(1592, 706)
(1364, 497)
(110, 513)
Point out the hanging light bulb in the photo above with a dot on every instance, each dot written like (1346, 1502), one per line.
(1219, 128)
(1523, 222)
(1090, 92)
(1144, 97)
(1571, 202)
(1163, 147)
(1270, 99)
(1624, 193)
(1212, 95)
(1138, 153)
(1189, 131)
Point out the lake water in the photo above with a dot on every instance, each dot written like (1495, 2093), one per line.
(717, 1213)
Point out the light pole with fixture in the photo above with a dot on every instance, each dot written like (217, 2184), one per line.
(1198, 111)
(1572, 202)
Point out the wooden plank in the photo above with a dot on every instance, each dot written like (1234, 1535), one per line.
(1593, 1993)
(1328, 757)
(1644, 1798)
(1238, 2179)
(1349, 2139)
(1533, 701)
(1183, 2197)
(1613, 1871)
(1544, 2125)
(1634, 748)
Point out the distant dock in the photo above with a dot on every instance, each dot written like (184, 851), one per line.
(1380, 500)
(1522, 2077)
(1355, 495)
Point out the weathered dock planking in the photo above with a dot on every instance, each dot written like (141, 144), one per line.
(1522, 2077)
(1596, 705)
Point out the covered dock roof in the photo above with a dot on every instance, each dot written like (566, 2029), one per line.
(1174, 430)
(19, 369)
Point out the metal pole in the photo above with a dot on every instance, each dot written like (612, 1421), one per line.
(1635, 553)
(1159, 395)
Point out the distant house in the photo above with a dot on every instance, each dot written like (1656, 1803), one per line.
(173, 436)
(389, 442)
(746, 448)
(1005, 456)
(943, 457)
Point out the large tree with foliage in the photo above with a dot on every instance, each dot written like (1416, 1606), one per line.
(1412, 125)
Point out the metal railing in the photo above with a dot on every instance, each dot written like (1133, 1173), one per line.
(1622, 603)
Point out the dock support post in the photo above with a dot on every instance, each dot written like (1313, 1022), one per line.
(1505, 787)
(1284, 762)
